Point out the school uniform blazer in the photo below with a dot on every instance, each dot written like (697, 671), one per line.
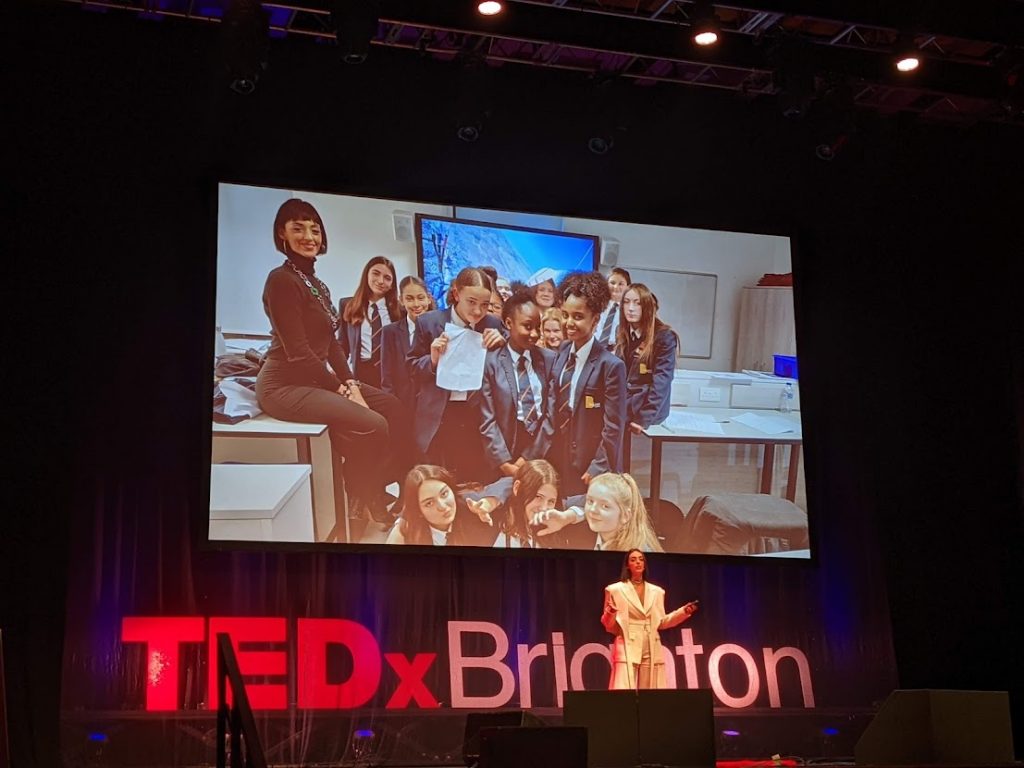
(649, 392)
(349, 336)
(498, 413)
(594, 444)
(394, 374)
(628, 646)
(430, 398)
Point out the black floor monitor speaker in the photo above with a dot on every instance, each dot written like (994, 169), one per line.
(501, 718)
(530, 747)
(628, 728)
(936, 727)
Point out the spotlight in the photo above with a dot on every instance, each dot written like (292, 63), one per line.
(469, 131)
(906, 56)
(490, 7)
(245, 31)
(795, 75)
(600, 145)
(355, 26)
(827, 151)
(704, 26)
(1012, 100)
(473, 97)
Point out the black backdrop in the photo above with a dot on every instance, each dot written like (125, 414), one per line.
(908, 303)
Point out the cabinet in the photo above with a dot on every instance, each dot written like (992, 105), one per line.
(766, 327)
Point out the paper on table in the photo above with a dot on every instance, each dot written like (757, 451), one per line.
(693, 422)
(770, 425)
(240, 400)
(461, 367)
(729, 376)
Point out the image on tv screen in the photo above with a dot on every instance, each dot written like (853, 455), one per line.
(398, 374)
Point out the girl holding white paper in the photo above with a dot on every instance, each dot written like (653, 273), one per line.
(446, 423)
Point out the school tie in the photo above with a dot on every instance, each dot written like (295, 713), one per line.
(564, 390)
(375, 329)
(527, 402)
(606, 329)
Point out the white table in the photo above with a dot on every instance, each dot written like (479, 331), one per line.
(735, 433)
(261, 502)
(312, 447)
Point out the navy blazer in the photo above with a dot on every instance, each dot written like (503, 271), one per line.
(649, 392)
(430, 398)
(349, 336)
(498, 412)
(594, 442)
(394, 374)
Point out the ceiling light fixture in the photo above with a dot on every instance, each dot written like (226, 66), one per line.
(490, 7)
(906, 55)
(245, 44)
(355, 26)
(704, 27)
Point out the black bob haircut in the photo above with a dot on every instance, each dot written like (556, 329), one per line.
(295, 209)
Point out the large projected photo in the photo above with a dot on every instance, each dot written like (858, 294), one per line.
(406, 374)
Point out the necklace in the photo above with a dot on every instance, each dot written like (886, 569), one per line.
(319, 291)
(637, 583)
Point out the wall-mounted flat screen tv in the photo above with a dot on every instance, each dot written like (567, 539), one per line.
(519, 254)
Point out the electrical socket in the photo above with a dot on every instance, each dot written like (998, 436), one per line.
(710, 395)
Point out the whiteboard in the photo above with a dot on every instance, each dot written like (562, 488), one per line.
(686, 301)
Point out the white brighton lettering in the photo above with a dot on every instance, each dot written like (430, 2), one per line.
(771, 674)
(458, 664)
(753, 680)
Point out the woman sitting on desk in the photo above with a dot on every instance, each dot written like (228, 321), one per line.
(305, 377)
(634, 611)
(648, 348)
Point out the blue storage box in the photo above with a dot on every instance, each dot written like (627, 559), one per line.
(785, 365)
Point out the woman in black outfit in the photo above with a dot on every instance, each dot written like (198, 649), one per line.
(305, 377)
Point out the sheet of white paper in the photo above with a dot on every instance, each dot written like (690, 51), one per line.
(461, 367)
(770, 425)
(732, 378)
(244, 345)
(693, 422)
(239, 399)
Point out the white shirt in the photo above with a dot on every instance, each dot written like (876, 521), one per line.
(458, 394)
(366, 333)
(412, 329)
(438, 538)
(601, 545)
(534, 383)
(581, 358)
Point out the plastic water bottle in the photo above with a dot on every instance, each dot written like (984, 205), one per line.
(786, 398)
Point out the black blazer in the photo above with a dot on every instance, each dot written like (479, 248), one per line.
(594, 442)
(394, 373)
(430, 398)
(349, 336)
(498, 412)
(649, 391)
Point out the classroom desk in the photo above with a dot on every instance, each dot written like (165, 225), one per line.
(264, 426)
(734, 433)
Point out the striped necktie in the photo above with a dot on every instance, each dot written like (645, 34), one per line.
(564, 390)
(527, 402)
(375, 329)
(606, 329)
